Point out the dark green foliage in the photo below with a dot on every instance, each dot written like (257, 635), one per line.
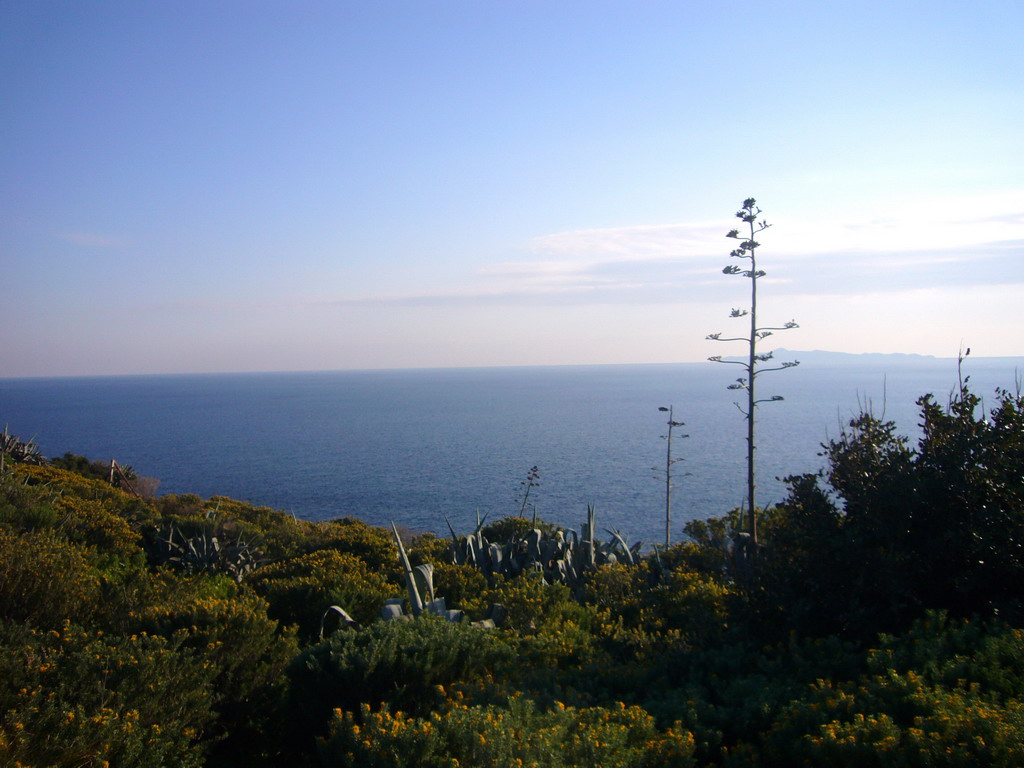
(939, 526)
(300, 589)
(945, 694)
(95, 470)
(400, 663)
(70, 696)
(515, 733)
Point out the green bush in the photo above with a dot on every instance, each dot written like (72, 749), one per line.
(400, 663)
(228, 629)
(300, 589)
(954, 652)
(64, 482)
(532, 604)
(897, 720)
(83, 698)
(45, 579)
(374, 546)
(25, 507)
(517, 734)
(940, 526)
(461, 586)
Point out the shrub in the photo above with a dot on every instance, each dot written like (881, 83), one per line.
(372, 545)
(75, 697)
(24, 507)
(428, 548)
(45, 579)
(532, 604)
(462, 586)
(62, 481)
(953, 652)
(300, 589)
(897, 720)
(234, 638)
(400, 663)
(517, 734)
(940, 526)
(91, 522)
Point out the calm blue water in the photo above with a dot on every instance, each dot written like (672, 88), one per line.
(413, 446)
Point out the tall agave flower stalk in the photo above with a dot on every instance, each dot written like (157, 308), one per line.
(667, 471)
(747, 250)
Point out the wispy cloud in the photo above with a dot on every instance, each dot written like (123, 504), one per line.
(936, 244)
(639, 242)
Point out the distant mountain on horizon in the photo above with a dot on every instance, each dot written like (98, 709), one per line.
(827, 356)
(822, 354)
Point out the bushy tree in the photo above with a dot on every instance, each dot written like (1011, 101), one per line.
(899, 529)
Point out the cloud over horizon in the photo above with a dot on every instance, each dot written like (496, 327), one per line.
(682, 263)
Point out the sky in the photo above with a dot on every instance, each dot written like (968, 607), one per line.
(259, 186)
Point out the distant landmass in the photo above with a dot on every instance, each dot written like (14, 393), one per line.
(826, 357)
(822, 355)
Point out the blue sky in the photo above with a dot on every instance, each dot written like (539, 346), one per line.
(248, 186)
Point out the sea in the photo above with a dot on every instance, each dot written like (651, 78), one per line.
(415, 447)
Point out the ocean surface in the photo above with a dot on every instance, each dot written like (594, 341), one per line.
(414, 446)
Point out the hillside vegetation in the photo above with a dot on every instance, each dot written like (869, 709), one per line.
(878, 622)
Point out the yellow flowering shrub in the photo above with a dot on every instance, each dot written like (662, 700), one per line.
(517, 734)
(557, 648)
(896, 720)
(91, 522)
(73, 484)
(75, 697)
(374, 546)
(300, 589)
(640, 615)
(531, 604)
(406, 664)
(694, 604)
(25, 507)
(429, 548)
(45, 579)
(461, 586)
(232, 634)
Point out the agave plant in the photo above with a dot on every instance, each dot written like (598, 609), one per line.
(553, 556)
(217, 547)
(19, 451)
(419, 582)
(559, 556)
